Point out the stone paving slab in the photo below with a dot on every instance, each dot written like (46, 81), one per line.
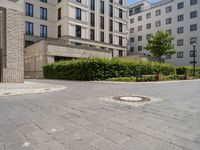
(77, 119)
(8, 89)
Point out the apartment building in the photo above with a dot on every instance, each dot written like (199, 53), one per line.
(94, 23)
(11, 41)
(67, 29)
(178, 17)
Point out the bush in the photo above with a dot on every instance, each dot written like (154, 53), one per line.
(182, 70)
(102, 69)
(187, 69)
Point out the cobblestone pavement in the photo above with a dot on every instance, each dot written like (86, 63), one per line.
(77, 119)
(27, 88)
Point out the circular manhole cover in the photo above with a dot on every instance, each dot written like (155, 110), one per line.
(132, 98)
(7, 93)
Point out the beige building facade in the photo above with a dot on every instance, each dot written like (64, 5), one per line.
(102, 22)
(11, 41)
(84, 28)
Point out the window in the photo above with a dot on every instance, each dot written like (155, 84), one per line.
(92, 19)
(78, 13)
(139, 18)
(43, 30)
(139, 38)
(168, 56)
(111, 25)
(180, 42)
(193, 14)
(193, 2)
(180, 18)
(148, 36)
(121, 2)
(79, 1)
(43, 13)
(59, 31)
(193, 40)
(168, 20)
(180, 30)
(158, 12)
(102, 36)
(180, 5)
(179, 54)
(139, 48)
(120, 27)
(59, 14)
(102, 22)
(137, 10)
(193, 27)
(44, 1)
(120, 41)
(168, 9)
(110, 38)
(192, 53)
(92, 4)
(132, 40)
(29, 28)
(110, 10)
(158, 23)
(130, 12)
(120, 53)
(132, 20)
(92, 34)
(169, 31)
(148, 15)
(132, 30)
(59, 1)
(132, 49)
(148, 26)
(102, 7)
(139, 28)
(78, 31)
(29, 10)
(120, 13)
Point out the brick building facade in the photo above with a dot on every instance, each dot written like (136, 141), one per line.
(11, 41)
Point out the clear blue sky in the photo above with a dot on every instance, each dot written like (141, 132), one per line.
(134, 1)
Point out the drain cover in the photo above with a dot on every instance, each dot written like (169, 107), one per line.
(7, 93)
(132, 99)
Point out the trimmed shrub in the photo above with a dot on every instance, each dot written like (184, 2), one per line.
(102, 69)
(188, 69)
(182, 70)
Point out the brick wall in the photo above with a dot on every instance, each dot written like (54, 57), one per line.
(13, 70)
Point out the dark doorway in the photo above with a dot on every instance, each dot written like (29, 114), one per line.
(61, 58)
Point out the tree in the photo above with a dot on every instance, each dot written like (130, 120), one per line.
(160, 44)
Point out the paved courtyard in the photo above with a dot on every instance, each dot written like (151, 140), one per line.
(78, 118)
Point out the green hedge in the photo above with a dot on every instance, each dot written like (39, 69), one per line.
(187, 70)
(101, 69)
(182, 70)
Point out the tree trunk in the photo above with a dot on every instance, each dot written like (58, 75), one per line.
(158, 73)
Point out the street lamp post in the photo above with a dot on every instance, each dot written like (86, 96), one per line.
(194, 59)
